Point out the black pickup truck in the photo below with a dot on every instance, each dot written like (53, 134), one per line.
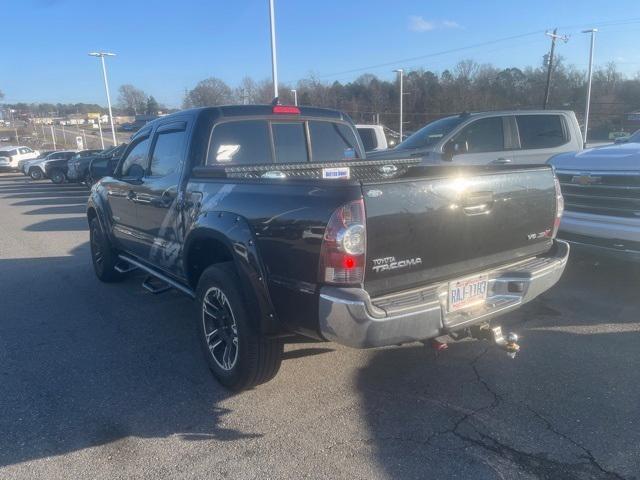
(275, 222)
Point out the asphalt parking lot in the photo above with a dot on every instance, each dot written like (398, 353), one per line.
(106, 381)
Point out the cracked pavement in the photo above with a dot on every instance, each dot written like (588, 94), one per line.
(106, 381)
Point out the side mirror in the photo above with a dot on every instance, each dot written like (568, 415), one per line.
(621, 140)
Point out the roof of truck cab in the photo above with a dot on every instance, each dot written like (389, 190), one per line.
(256, 110)
(515, 112)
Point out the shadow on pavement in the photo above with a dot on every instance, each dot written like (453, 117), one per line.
(84, 363)
(565, 408)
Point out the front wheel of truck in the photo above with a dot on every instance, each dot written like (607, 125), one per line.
(238, 355)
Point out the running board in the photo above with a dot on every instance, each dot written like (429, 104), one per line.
(163, 278)
(155, 289)
(124, 267)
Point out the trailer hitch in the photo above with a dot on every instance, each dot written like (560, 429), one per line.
(508, 342)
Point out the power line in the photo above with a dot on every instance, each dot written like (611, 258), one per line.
(628, 21)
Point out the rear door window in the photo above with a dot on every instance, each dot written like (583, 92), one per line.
(541, 131)
(290, 142)
(332, 142)
(244, 142)
(167, 153)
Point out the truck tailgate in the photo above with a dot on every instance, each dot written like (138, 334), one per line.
(442, 225)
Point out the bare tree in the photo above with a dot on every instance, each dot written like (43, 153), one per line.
(209, 92)
(132, 99)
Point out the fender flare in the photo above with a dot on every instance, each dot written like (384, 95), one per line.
(235, 233)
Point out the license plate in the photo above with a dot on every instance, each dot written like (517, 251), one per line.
(467, 292)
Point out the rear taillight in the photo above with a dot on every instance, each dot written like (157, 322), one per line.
(342, 256)
(559, 208)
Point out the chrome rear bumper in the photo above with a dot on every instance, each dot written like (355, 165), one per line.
(350, 317)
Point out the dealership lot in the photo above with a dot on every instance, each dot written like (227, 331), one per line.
(106, 381)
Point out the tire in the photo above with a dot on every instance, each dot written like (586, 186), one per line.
(35, 174)
(103, 255)
(223, 322)
(58, 177)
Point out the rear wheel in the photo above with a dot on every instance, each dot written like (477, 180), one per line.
(103, 256)
(58, 176)
(238, 355)
(35, 174)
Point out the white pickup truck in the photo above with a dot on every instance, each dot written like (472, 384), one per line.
(601, 188)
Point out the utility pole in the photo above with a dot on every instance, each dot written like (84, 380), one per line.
(400, 73)
(592, 31)
(274, 60)
(295, 96)
(554, 36)
(53, 137)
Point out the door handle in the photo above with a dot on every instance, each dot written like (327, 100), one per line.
(477, 203)
(131, 195)
(502, 161)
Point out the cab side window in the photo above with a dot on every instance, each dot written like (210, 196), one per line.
(137, 156)
(484, 135)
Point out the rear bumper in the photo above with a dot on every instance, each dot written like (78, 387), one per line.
(350, 317)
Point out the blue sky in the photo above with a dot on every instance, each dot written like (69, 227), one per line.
(166, 46)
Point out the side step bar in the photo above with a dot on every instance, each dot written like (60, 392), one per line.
(163, 278)
(124, 267)
(155, 289)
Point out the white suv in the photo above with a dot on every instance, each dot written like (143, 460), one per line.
(16, 154)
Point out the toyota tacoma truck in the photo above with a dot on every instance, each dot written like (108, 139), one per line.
(602, 191)
(275, 222)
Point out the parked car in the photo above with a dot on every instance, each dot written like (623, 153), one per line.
(5, 163)
(273, 235)
(373, 137)
(601, 187)
(41, 156)
(5, 139)
(103, 166)
(78, 166)
(35, 168)
(510, 137)
(56, 169)
(633, 138)
(17, 153)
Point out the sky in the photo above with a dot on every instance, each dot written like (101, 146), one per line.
(165, 47)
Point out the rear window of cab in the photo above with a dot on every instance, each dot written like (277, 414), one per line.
(255, 142)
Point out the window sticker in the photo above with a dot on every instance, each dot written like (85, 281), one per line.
(225, 153)
(338, 172)
(349, 153)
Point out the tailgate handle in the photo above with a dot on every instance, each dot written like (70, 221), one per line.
(477, 203)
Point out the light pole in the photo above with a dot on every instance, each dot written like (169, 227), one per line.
(400, 73)
(295, 97)
(53, 137)
(274, 60)
(106, 87)
(64, 136)
(100, 129)
(592, 31)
